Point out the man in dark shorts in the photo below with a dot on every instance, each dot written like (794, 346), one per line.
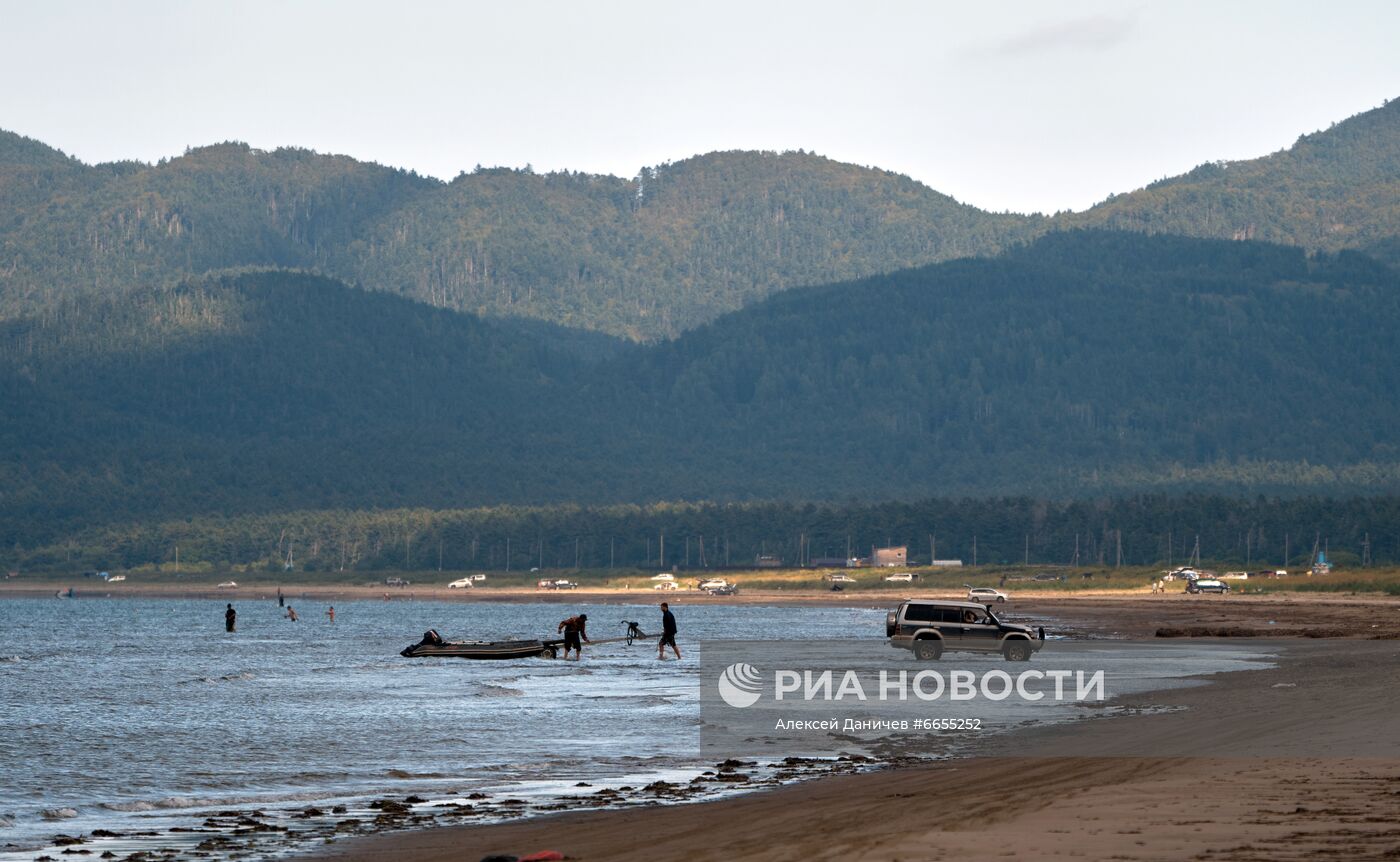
(668, 634)
(574, 628)
(230, 618)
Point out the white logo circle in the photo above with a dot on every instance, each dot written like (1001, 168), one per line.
(738, 685)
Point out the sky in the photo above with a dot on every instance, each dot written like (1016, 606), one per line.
(1022, 106)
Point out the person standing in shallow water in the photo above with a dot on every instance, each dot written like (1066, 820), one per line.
(291, 613)
(230, 618)
(668, 634)
(330, 612)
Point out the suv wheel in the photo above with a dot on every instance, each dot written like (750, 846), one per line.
(1017, 650)
(928, 649)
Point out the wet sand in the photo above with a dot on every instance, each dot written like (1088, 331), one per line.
(1300, 761)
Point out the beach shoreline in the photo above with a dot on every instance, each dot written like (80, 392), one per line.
(1092, 613)
(1287, 776)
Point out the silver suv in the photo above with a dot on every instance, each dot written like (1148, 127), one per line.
(929, 627)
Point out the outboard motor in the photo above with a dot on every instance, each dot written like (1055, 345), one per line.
(430, 638)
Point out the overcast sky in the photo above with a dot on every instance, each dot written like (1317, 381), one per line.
(1023, 106)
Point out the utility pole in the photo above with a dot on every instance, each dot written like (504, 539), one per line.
(663, 549)
(974, 549)
(612, 552)
(576, 556)
(1119, 536)
(507, 553)
(1028, 550)
(439, 553)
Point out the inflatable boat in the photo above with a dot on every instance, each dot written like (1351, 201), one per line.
(433, 646)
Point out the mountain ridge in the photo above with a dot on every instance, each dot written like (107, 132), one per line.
(645, 258)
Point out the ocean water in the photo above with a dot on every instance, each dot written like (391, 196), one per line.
(143, 713)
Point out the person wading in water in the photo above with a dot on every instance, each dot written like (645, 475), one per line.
(668, 634)
(574, 628)
(230, 618)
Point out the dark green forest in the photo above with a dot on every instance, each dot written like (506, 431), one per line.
(1147, 529)
(644, 258)
(236, 333)
(1089, 364)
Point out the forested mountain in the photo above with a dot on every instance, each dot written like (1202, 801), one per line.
(1087, 363)
(1334, 189)
(645, 258)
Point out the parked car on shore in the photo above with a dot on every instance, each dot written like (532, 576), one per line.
(725, 590)
(665, 585)
(840, 578)
(395, 582)
(563, 584)
(712, 583)
(228, 585)
(985, 595)
(900, 577)
(1207, 585)
(460, 583)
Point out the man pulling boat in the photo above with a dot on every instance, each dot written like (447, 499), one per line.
(575, 632)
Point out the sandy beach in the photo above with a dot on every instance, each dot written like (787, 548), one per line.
(1299, 761)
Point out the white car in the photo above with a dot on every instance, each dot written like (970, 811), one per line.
(840, 578)
(460, 583)
(712, 584)
(664, 576)
(900, 577)
(227, 585)
(478, 577)
(984, 595)
(665, 585)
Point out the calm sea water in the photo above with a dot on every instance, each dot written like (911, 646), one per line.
(142, 714)
(124, 714)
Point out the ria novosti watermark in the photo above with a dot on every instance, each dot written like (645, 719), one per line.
(825, 697)
(741, 685)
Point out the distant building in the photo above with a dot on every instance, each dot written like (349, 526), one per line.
(768, 561)
(949, 563)
(891, 557)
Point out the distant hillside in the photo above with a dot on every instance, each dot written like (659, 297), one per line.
(1334, 189)
(644, 258)
(1087, 363)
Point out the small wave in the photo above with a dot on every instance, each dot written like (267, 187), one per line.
(491, 690)
(403, 773)
(9, 659)
(139, 805)
(6, 821)
(58, 813)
